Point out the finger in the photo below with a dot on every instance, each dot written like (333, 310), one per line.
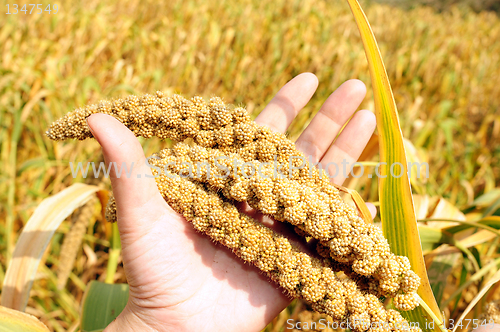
(326, 124)
(131, 179)
(291, 98)
(348, 146)
(488, 328)
(373, 209)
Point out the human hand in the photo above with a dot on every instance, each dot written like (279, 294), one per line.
(180, 280)
(488, 328)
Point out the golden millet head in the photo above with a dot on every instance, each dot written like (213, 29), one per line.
(305, 199)
(406, 302)
(491, 312)
(410, 282)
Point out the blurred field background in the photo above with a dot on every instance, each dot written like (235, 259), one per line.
(444, 5)
(444, 67)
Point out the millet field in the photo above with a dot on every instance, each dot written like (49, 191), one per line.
(444, 69)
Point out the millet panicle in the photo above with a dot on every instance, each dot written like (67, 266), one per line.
(304, 198)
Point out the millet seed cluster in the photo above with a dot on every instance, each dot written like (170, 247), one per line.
(491, 313)
(227, 137)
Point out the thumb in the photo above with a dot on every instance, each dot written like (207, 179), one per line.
(132, 181)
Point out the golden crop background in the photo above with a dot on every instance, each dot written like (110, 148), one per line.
(444, 69)
(443, 5)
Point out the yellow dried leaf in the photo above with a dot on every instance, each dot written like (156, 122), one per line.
(34, 239)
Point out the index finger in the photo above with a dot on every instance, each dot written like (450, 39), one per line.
(287, 103)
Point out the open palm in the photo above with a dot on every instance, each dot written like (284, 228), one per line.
(179, 279)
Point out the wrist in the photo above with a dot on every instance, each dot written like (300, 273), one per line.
(129, 321)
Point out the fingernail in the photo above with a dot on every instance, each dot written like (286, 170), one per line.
(90, 128)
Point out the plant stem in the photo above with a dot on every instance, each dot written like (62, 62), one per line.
(114, 253)
(455, 229)
(431, 313)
